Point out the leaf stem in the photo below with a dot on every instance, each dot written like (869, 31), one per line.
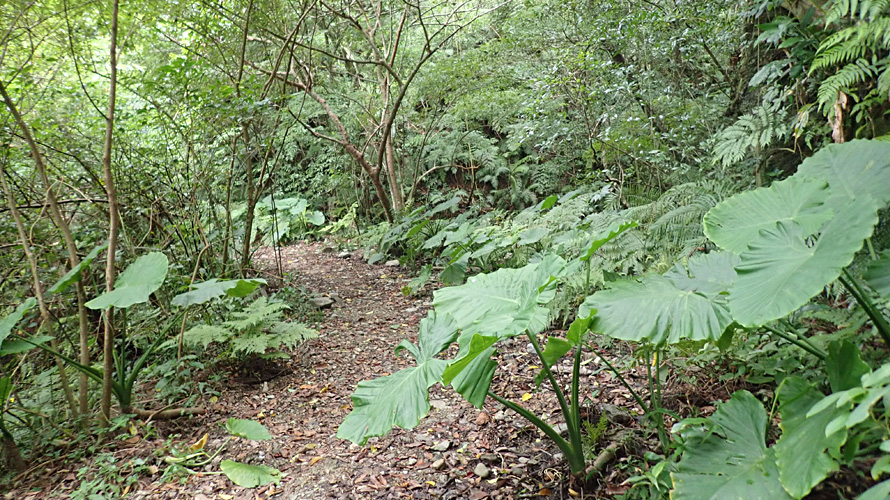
(865, 301)
(575, 458)
(573, 426)
(794, 339)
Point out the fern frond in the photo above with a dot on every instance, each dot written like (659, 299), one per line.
(204, 335)
(253, 344)
(757, 130)
(290, 334)
(258, 312)
(847, 77)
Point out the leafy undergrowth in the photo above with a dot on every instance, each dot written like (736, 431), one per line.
(446, 457)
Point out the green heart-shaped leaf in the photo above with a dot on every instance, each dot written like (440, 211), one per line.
(134, 286)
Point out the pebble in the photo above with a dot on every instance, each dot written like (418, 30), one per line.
(481, 470)
(392, 263)
(439, 464)
(441, 445)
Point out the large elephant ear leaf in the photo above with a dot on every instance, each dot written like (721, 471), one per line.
(210, 289)
(877, 275)
(504, 303)
(134, 286)
(856, 170)
(667, 309)
(782, 268)
(401, 399)
(734, 222)
(804, 453)
(729, 458)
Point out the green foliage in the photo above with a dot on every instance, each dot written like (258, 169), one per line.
(725, 455)
(487, 309)
(244, 475)
(773, 229)
(750, 135)
(281, 220)
(687, 303)
(134, 286)
(249, 476)
(402, 398)
(256, 329)
(213, 288)
(858, 50)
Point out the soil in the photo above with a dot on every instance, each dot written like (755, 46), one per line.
(457, 452)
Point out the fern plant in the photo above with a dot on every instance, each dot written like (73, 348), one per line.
(259, 329)
(751, 134)
(858, 51)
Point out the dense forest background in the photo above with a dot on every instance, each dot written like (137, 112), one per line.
(458, 137)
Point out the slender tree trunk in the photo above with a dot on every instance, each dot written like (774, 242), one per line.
(64, 228)
(113, 224)
(46, 320)
(386, 147)
(248, 156)
(251, 203)
(395, 187)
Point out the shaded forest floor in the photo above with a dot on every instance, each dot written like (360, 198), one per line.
(458, 452)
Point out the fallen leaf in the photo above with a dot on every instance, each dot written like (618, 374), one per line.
(199, 444)
(314, 461)
(526, 396)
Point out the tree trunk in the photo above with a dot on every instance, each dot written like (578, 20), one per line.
(113, 226)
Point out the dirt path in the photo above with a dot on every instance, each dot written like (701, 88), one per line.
(458, 452)
(440, 458)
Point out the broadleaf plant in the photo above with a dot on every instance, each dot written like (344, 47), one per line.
(487, 309)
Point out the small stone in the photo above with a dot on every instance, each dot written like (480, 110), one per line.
(562, 428)
(344, 255)
(411, 461)
(328, 250)
(481, 470)
(517, 471)
(321, 302)
(489, 457)
(441, 445)
(483, 418)
(392, 263)
(439, 464)
(557, 456)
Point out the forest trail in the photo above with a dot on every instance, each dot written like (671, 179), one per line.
(457, 452)
(445, 457)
